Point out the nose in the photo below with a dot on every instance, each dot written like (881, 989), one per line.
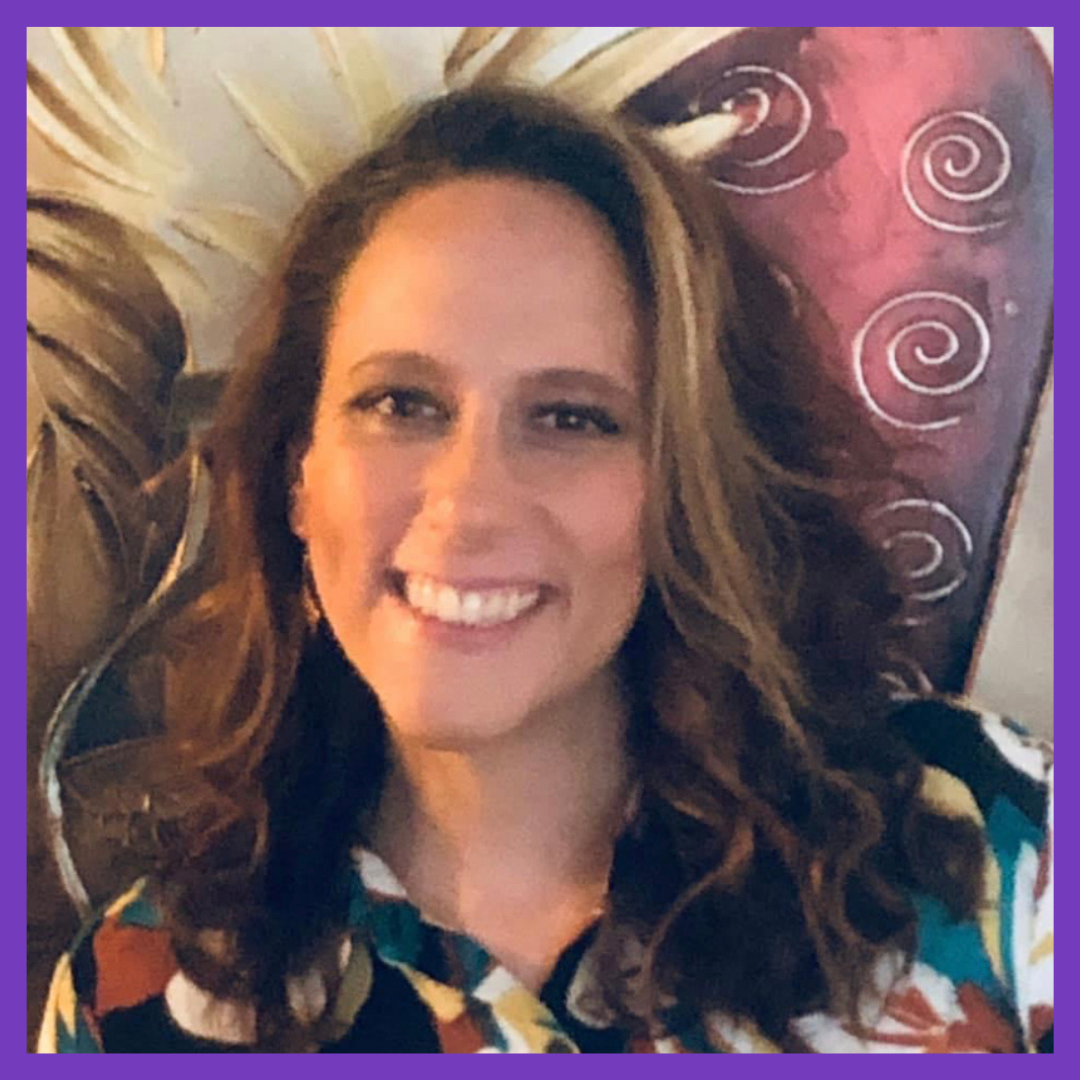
(470, 492)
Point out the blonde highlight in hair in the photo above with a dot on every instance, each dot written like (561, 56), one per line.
(709, 557)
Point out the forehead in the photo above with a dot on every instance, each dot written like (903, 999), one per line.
(486, 212)
(484, 264)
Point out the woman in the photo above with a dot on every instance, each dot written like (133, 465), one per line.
(535, 688)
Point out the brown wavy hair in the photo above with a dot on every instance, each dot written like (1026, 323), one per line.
(780, 831)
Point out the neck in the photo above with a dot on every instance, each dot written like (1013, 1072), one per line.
(517, 832)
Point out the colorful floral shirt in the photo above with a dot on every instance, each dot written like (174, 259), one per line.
(409, 985)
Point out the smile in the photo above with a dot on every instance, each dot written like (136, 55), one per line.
(464, 607)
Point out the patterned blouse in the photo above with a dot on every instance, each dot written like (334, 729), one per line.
(409, 985)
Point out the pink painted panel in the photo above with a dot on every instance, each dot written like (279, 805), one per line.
(905, 175)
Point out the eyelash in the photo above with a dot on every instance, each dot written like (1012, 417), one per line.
(602, 424)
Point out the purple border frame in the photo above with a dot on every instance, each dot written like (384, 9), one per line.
(14, 902)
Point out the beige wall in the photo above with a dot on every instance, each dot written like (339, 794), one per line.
(1015, 671)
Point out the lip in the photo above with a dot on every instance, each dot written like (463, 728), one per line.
(468, 639)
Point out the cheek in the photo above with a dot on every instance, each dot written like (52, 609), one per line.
(349, 505)
(605, 518)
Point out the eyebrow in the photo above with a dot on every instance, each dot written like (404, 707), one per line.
(406, 363)
(401, 362)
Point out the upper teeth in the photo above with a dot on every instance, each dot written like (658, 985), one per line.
(485, 608)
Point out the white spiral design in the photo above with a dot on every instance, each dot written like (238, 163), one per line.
(764, 107)
(921, 331)
(905, 678)
(769, 83)
(952, 166)
(929, 549)
(936, 550)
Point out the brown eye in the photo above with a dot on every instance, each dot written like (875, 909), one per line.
(400, 405)
(576, 419)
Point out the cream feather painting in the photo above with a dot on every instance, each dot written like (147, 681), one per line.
(163, 167)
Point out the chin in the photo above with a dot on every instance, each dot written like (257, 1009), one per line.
(437, 733)
(439, 725)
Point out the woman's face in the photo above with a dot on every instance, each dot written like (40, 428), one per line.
(472, 495)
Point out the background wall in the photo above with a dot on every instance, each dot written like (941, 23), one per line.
(201, 148)
(1015, 670)
(196, 210)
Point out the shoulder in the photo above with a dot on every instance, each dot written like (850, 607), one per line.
(120, 989)
(1007, 771)
(121, 958)
(983, 984)
(990, 770)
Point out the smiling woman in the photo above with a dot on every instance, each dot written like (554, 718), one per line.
(440, 452)
(535, 690)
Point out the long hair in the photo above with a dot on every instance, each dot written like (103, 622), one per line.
(780, 830)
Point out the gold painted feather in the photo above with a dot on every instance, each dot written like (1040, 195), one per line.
(524, 47)
(471, 41)
(155, 50)
(357, 66)
(283, 132)
(607, 77)
(104, 343)
(81, 50)
(238, 231)
(80, 141)
(702, 136)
